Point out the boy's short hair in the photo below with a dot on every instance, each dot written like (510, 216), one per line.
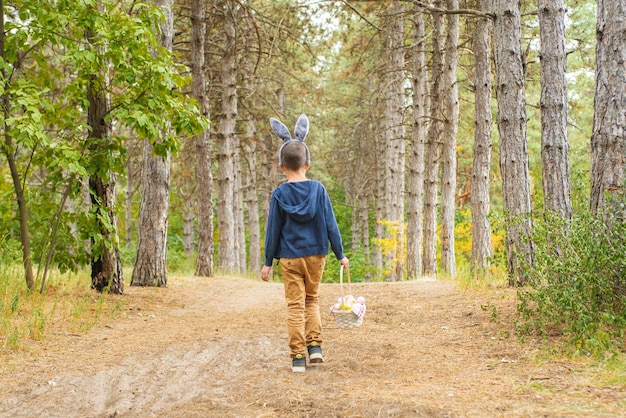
(294, 155)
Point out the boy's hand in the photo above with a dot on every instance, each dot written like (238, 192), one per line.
(265, 273)
(345, 262)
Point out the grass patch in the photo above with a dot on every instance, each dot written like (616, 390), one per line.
(67, 305)
(493, 277)
(612, 371)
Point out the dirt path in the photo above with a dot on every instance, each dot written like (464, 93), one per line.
(217, 348)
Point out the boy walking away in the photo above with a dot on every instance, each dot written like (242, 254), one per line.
(300, 225)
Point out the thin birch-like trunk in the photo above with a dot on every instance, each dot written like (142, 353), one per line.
(128, 197)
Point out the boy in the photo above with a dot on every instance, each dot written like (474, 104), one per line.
(300, 224)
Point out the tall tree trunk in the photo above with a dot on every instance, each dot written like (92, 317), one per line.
(608, 139)
(513, 142)
(481, 203)
(250, 148)
(415, 178)
(189, 224)
(106, 265)
(151, 262)
(269, 162)
(239, 211)
(379, 193)
(227, 252)
(394, 136)
(364, 223)
(252, 200)
(8, 150)
(204, 175)
(250, 189)
(433, 147)
(554, 144)
(450, 129)
(355, 227)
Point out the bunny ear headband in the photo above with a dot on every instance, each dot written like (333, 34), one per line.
(301, 131)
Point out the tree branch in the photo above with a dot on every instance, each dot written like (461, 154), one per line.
(360, 15)
(469, 12)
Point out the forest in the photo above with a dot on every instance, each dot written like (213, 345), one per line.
(478, 140)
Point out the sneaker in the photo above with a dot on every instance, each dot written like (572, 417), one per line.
(298, 364)
(315, 354)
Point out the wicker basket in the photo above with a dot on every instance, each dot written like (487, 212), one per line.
(343, 318)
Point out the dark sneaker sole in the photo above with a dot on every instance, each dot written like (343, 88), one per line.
(316, 362)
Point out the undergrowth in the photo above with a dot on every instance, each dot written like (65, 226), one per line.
(67, 305)
(577, 284)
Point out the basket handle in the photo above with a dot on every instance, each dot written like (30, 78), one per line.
(341, 283)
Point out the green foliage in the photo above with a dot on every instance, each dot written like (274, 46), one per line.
(128, 254)
(577, 284)
(360, 270)
(45, 81)
(178, 262)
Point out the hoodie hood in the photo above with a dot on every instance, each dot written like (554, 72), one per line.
(299, 199)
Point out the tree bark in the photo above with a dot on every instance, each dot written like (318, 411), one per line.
(480, 201)
(554, 143)
(433, 147)
(365, 232)
(450, 129)
(395, 150)
(608, 147)
(227, 252)
(252, 199)
(415, 178)
(239, 211)
(189, 225)
(106, 265)
(513, 142)
(204, 174)
(151, 262)
(379, 193)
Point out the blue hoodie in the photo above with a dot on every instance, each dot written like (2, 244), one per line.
(301, 222)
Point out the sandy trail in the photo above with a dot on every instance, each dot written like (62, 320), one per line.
(217, 347)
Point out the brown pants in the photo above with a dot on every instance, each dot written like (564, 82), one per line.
(302, 277)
